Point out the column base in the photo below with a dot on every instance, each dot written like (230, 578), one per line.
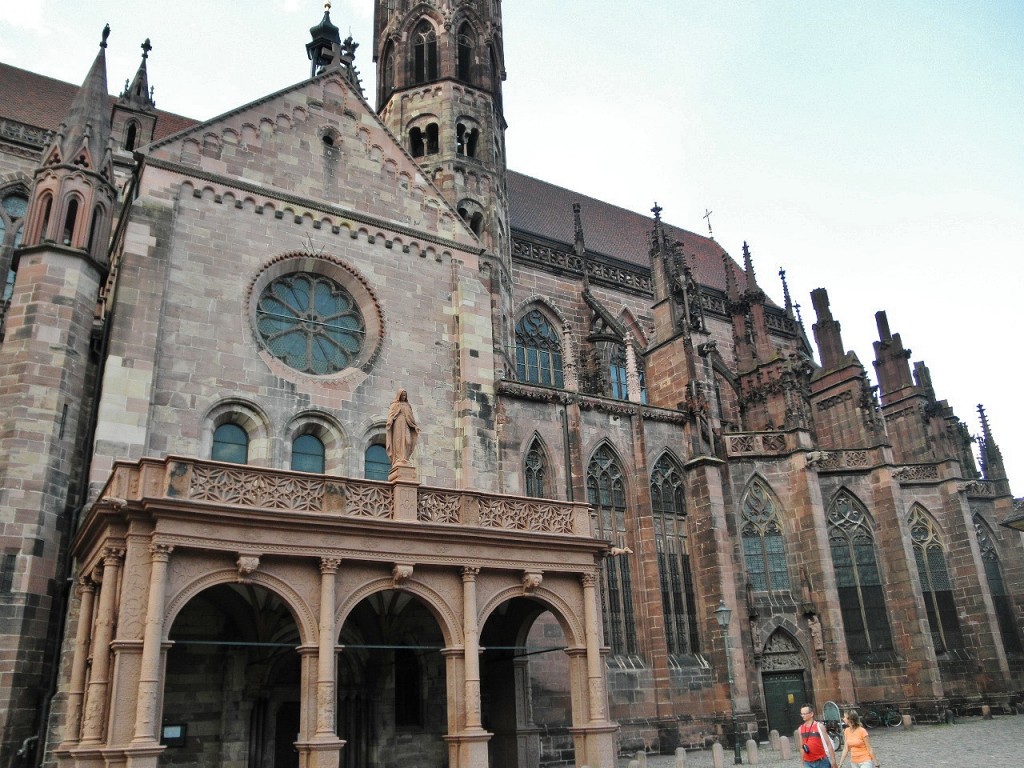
(595, 744)
(322, 753)
(468, 749)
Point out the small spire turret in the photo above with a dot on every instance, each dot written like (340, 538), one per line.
(326, 38)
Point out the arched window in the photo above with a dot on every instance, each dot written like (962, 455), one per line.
(606, 492)
(376, 464)
(47, 209)
(677, 596)
(94, 225)
(538, 350)
(535, 471)
(69, 221)
(936, 586)
(1000, 597)
(388, 82)
(763, 551)
(13, 207)
(464, 65)
(424, 53)
(433, 139)
(417, 148)
(131, 135)
(466, 140)
(865, 620)
(230, 443)
(308, 454)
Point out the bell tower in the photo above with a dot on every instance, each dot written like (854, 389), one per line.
(440, 68)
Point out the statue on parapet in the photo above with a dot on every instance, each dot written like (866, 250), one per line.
(402, 431)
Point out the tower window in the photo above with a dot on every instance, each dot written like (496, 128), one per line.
(466, 140)
(465, 54)
(416, 146)
(69, 221)
(131, 135)
(433, 139)
(388, 82)
(424, 54)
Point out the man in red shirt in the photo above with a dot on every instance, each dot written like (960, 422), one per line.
(815, 743)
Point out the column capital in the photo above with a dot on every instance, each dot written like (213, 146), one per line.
(86, 584)
(470, 572)
(113, 555)
(329, 565)
(160, 552)
(588, 579)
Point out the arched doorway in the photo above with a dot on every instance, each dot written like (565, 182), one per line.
(231, 691)
(392, 693)
(526, 698)
(784, 679)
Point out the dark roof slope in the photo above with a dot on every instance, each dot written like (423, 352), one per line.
(43, 102)
(545, 210)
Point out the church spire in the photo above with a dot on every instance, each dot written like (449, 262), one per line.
(137, 94)
(326, 39)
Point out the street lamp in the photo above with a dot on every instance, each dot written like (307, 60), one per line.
(723, 614)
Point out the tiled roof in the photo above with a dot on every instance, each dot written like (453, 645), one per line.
(537, 207)
(43, 102)
(543, 209)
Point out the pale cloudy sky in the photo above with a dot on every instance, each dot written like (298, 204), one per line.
(870, 148)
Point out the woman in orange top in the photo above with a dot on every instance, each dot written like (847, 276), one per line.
(856, 742)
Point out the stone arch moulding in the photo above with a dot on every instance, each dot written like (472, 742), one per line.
(297, 606)
(545, 305)
(446, 616)
(245, 414)
(567, 618)
(781, 651)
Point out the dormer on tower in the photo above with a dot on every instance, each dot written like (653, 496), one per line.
(134, 117)
(439, 74)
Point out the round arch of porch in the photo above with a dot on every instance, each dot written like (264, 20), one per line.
(299, 609)
(445, 615)
(567, 618)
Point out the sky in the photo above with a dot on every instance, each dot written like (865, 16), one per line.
(872, 148)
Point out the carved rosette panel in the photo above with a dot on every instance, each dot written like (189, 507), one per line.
(525, 516)
(916, 472)
(256, 489)
(741, 444)
(775, 443)
(369, 501)
(433, 507)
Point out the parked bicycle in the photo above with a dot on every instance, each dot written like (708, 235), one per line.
(888, 716)
(834, 724)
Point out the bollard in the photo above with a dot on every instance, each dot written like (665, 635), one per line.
(986, 712)
(950, 717)
(773, 740)
(641, 759)
(752, 756)
(796, 739)
(908, 723)
(784, 749)
(680, 757)
(717, 756)
(634, 764)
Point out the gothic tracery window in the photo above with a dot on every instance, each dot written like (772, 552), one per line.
(535, 471)
(464, 63)
(764, 553)
(538, 350)
(677, 596)
(936, 586)
(606, 492)
(424, 53)
(851, 539)
(1001, 599)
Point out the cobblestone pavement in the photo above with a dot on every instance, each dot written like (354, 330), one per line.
(971, 743)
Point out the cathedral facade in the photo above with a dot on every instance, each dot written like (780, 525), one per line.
(327, 439)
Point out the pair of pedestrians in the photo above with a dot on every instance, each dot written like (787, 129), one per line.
(817, 748)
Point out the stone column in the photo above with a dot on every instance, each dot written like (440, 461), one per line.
(148, 701)
(79, 662)
(326, 662)
(595, 676)
(94, 726)
(472, 648)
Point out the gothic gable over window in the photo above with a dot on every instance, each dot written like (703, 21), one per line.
(936, 586)
(861, 600)
(764, 553)
(538, 350)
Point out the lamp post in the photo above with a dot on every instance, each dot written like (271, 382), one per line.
(723, 613)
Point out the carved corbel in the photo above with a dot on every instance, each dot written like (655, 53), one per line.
(247, 565)
(531, 581)
(401, 573)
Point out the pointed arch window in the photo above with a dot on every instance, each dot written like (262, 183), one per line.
(424, 53)
(13, 208)
(131, 135)
(376, 464)
(1001, 600)
(308, 454)
(535, 471)
(606, 492)
(618, 374)
(538, 351)
(851, 539)
(69, 221)
(230, 443)
(764, 553)
(936, 586)
(677, 596)
(464, 64)
(388, 70)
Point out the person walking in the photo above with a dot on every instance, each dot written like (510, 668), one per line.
(815, 743)
(856, 743)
